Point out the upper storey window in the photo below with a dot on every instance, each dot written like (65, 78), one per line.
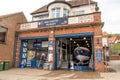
(65, 12)
(56, 13)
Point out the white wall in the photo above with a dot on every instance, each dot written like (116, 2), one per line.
(86, 8)
(81, 19)
(40, 16)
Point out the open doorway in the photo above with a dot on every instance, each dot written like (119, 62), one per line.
(66, 53)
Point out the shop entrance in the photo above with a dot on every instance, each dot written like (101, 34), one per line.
(74, 52)
(34, 53)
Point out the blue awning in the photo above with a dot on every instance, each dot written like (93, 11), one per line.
(73, 35)
(34, 37)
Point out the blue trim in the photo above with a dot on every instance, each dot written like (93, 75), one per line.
(74, 35)
(56, 56)
(21, 49)
(35, 37)
(93, 64)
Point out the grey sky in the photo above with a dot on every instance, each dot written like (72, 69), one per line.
(109, 8)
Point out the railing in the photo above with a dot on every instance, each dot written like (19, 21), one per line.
(93, 17)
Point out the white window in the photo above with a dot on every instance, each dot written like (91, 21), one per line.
(56, 13)
(79, 12)
(65, 12)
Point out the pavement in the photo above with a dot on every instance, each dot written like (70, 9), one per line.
(37, 74)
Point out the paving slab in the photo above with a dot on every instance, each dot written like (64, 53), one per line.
(37, 74)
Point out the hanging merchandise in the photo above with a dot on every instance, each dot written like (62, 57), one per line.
(31, 55)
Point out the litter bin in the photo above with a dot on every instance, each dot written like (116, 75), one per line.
(1, 65)
(6, 64)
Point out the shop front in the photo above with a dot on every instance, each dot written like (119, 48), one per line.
(61, 43)
(34, 51)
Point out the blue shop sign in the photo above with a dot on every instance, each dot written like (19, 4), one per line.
(53, 22)
(99, 55)
(37, 44)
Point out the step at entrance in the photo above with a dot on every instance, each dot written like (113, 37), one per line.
(64, 65)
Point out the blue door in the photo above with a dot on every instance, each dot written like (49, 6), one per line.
(56, 55)
(23, 53)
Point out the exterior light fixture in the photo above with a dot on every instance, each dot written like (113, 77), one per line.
(86, 41)
(51, 32)
(74, 42)
(70, 39)
(84, 38)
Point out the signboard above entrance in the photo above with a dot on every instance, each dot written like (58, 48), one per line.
(53, 22)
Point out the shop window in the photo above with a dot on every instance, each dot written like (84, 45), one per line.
(56, 13)
(3, 32)
(65, 12)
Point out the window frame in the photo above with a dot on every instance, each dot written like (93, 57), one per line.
(5, 35)
(56, 12)
(65, 12)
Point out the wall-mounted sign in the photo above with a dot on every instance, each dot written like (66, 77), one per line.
(50, 57)
(58, 21)
(44, 43)
(24, 55)
(25, 44)
(99, 55)
(24, 49)
(50, 45)
(37, 44)
(53, 22)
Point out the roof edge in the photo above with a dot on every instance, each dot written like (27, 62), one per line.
(11, 14)
(59, 2)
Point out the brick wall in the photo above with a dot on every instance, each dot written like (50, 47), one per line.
(11, 23)
(97, 29)
(114, 57)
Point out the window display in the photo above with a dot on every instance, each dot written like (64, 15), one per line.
(34, 53)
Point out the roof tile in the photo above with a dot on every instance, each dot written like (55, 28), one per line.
(73, 3)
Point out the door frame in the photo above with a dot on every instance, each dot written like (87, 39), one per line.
(87, 34)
